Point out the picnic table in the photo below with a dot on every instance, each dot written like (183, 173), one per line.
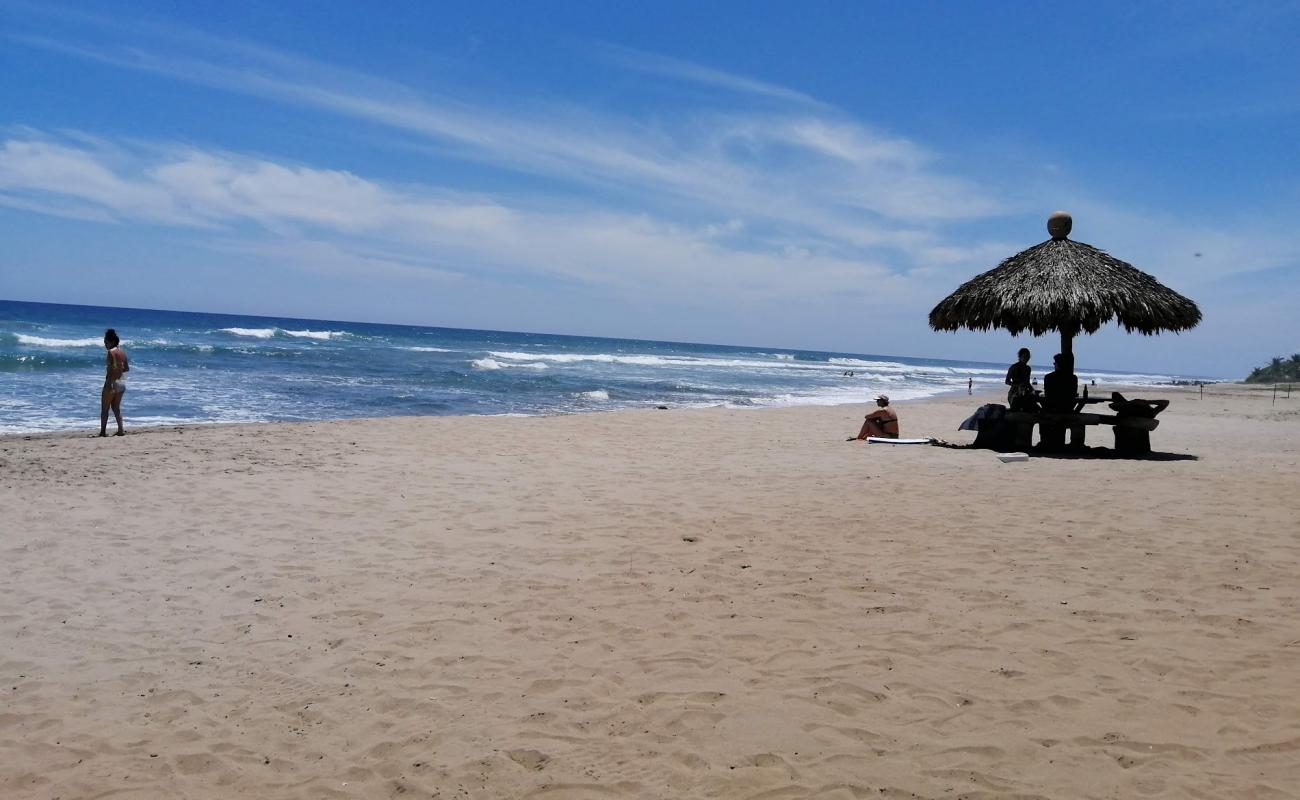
(1132, 430)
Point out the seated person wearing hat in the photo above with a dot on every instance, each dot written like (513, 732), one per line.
(881, 422)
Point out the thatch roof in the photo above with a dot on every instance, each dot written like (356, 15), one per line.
(1064, 286)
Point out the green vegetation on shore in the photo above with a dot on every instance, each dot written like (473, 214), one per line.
(1277, 371)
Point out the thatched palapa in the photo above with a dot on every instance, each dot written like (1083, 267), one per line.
(1064, 286)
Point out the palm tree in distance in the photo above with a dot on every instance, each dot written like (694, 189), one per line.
(1278, 369)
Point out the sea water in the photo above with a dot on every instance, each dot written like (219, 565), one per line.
(209, 368)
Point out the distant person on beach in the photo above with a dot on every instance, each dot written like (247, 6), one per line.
(970, 386)
(1021, 391)
(114, 383)
(882, 422)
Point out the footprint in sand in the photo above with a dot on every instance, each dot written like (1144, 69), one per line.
(529, 759)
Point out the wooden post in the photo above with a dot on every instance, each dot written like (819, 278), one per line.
(1067, 344)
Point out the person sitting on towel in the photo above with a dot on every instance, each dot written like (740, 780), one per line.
(882, 422)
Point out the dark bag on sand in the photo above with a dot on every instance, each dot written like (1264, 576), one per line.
(992, 431)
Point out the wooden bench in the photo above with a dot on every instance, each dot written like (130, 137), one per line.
(1132, 435)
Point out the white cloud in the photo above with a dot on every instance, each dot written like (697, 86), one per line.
(84, 183)
(798, 162)
(342, 215)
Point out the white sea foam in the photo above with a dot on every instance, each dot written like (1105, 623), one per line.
(834, 396)
(41, 341)
(427, 349)
(318, 335)
(879, 370)
(861, 364)
(598, 394)
(267, 333)
(559, 358)
(492, 363)
(958, 375)
(977, 371)
(659, 361)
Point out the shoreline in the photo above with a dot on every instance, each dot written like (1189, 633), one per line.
(984, 396)
(644, 604)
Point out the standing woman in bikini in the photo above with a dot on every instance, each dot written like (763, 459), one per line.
(114, 383)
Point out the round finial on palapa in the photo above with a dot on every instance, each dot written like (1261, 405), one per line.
(1059, 224)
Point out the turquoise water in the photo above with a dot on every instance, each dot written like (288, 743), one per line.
(199, 368)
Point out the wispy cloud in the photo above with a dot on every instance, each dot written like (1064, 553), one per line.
(801, 163)
(676, 69)
(367, 224)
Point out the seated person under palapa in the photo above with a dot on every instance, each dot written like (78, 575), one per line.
(1060, 394)
(1060, 386)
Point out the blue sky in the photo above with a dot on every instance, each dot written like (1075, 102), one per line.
(800, 175)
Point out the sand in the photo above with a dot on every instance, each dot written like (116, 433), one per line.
(658, 604)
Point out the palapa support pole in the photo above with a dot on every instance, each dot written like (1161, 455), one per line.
(1067, 344)
(1059, 225)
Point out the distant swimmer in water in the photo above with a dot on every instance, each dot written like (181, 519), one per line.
(882, 422)
(114, 383)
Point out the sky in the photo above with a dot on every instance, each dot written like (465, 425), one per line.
(813, 175)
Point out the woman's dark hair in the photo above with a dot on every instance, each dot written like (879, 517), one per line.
(110, 338)
(1024, 351)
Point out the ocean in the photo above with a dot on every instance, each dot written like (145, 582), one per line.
(189, 368)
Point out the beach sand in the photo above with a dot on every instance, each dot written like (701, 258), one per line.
(659, 604)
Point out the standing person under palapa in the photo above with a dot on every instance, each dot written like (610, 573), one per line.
(1021, 393)
(882, 422)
